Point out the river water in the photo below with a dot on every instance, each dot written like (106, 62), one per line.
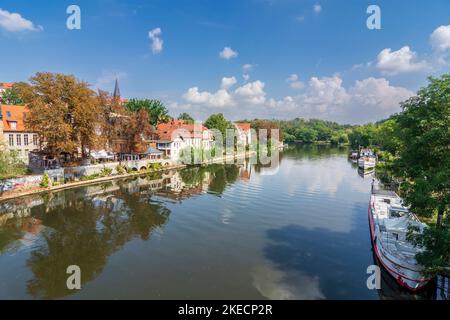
(296, 231)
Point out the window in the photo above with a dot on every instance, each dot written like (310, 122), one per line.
(13, 125)
(11, 140)
(35, 142)
(8, 114)
(25, 139)
(19, 139)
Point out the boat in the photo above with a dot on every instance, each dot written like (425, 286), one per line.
(367, 159)
(389, 223)
(353, 155)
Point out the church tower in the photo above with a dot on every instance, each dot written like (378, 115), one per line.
(116, 94)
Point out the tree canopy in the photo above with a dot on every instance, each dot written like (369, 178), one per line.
(63, 110)
(156, 110)
(11, 96)
(186, 117)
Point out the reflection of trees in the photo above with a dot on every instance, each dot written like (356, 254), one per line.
(313, 151)
(85, 234)
(220, 176)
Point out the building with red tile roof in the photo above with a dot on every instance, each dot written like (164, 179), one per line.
(175, 135)
(15, 134)
(244, 133)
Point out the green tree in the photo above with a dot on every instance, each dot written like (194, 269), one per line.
(218, 121)
(11, 97)
(156, 110)
(423, 163)
(186, 117)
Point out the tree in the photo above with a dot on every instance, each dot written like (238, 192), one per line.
(63, 110)
(138, 130)
(156, 110)
(186, 117)
(424, 156)
(11, 96)
(218, 121)
(423, 163)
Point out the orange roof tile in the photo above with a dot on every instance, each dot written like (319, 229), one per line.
(164, 131)
(13, 114)
(6, 85)
(244, 126)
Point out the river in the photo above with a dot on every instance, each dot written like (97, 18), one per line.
(297, 231)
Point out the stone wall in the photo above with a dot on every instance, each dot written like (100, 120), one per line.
(72, 173)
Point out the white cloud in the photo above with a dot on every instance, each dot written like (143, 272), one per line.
(14, 22)
(370, 99)
(227, 53)
(155, 37)
(228, 82)
(404, 60)
(246, 77)
(247, 67)
(440, 38)
(294, 82)
(220, 98)
(317, 8)
(252, 92)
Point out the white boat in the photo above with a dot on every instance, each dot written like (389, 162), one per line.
(367, 162)
(389, 221)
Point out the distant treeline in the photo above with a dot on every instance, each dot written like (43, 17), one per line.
(321, 131)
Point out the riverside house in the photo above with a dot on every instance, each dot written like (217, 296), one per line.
(14, 133)
(243, 133)
(176, 135)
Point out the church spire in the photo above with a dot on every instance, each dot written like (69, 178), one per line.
(116, 90)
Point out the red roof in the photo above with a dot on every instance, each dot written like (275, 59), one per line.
(165, 131)
(6, 85)
(13, 114)
(244, 126)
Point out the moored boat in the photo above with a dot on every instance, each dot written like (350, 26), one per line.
(367, 159)
(389, 223)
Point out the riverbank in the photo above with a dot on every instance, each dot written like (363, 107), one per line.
(8, 195)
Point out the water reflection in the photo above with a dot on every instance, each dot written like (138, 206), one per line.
(217, 231)
(84, 226)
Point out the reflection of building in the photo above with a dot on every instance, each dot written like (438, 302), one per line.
(16, 136)
(31, 228)
(245, 171)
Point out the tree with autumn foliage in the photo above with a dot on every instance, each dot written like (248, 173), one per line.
(63, 111)
(138, 131)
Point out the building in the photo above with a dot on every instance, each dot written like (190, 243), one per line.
(244, 134)
(4, 86)
(15, 135)
(176, 135)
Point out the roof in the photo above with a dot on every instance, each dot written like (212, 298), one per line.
(165, 131)
(153, 151)
(10, 114)
(244, 126)
(6, 85)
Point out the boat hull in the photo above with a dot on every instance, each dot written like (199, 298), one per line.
(405, 277)
(365, 164)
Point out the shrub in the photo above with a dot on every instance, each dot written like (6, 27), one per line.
(45, 180)
(105, 172)
(120, 169)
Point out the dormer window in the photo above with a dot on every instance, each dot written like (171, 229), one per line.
(8, 114)
(13, 125)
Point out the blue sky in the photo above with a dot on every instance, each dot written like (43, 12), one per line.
(308, 58)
